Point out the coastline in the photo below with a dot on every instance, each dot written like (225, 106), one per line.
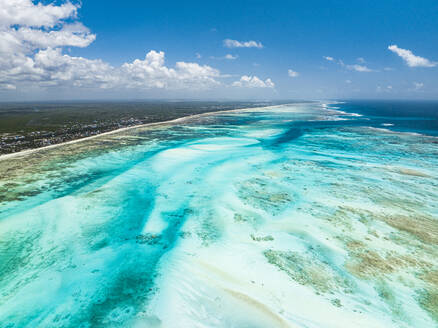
(176, 120)
(225, 184)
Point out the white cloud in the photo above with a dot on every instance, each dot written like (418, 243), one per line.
(361, 60)
(26, 13)
(253, 82)
(231, 57)
(198, 55)
(348, 81)
(328, 58)
(226, 57)
(32, 37)
(229, 43)
(292, 73)
(152, 73)
(75, 35)
(410, 59)
(25, 27)
(54, 68)
(418, 85)
(356, 67)
(359, 68)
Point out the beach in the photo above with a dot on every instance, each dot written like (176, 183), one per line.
(298, 215)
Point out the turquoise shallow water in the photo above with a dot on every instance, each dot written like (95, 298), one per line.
(289, 216)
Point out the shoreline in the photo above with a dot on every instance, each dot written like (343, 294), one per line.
(176, 120)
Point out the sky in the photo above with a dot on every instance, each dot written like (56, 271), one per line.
(218, 50)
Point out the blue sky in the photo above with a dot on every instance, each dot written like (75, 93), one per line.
(279, 49)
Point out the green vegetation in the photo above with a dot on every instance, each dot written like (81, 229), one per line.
(33, 125)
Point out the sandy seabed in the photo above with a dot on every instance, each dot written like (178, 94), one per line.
(287, 216)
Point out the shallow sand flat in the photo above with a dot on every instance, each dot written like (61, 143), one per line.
(224, 220)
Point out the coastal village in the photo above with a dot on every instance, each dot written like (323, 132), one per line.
(14, 142)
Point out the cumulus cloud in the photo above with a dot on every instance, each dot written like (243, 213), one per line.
(26, 13)
(75, 35)
(328, 58)
(253, 82)
(32, 37)
(53, 68)
(147, 73)
(229, 43)
(358, 68)
(25, 27)
(410, 59)
(292, 73)
(32, 42)
(152, 73)
(231, 57)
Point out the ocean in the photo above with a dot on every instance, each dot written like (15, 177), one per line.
(403, 116)
(321, 214)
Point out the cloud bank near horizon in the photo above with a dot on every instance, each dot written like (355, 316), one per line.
(32, 39)
(253, 82)
(40, 42)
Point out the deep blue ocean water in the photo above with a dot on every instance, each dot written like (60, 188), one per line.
(405, 116)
